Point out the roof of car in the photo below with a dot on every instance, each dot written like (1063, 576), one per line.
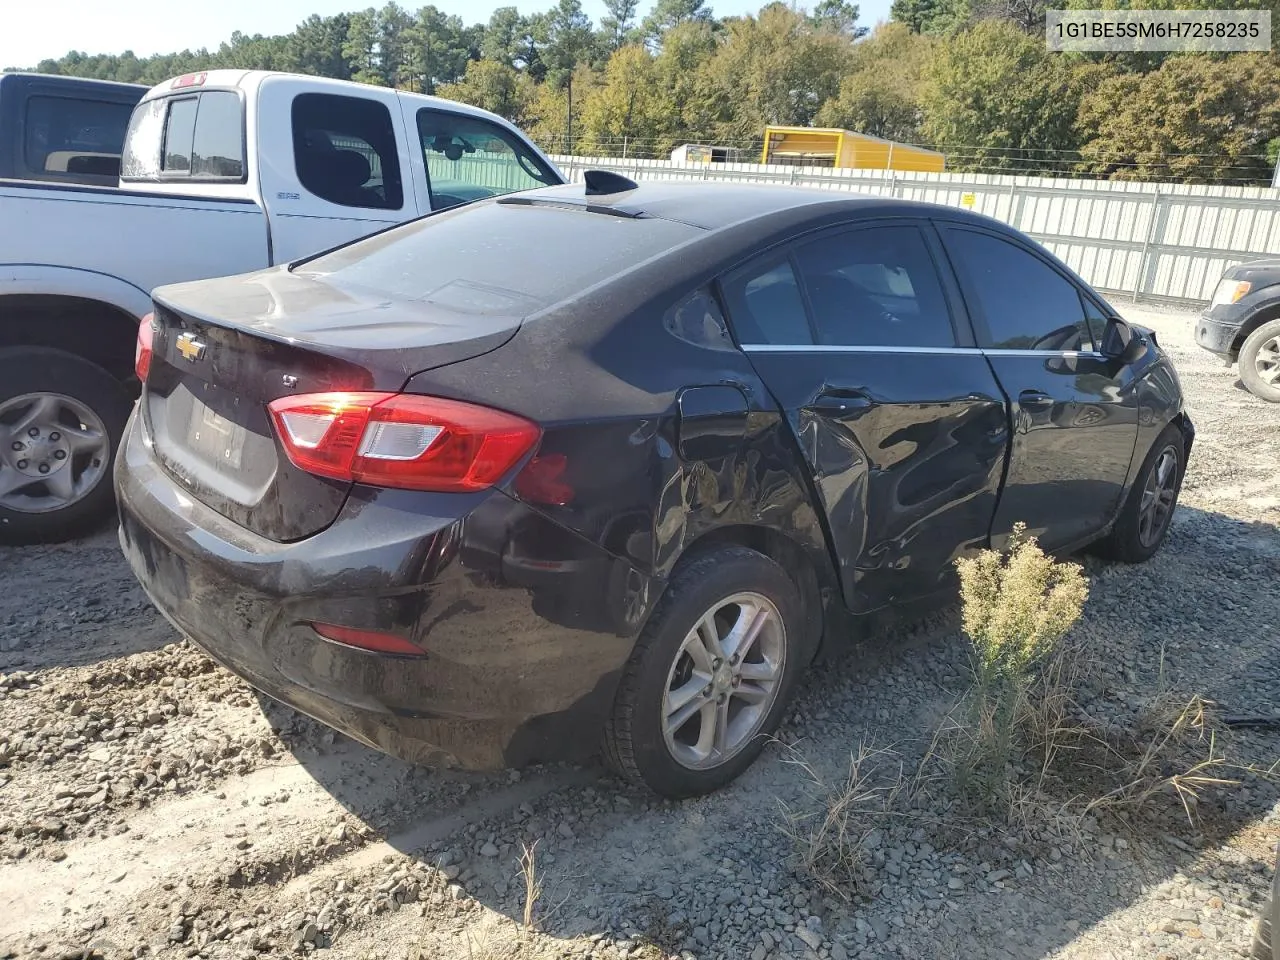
(713, 206)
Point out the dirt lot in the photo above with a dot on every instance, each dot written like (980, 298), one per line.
(152, 804)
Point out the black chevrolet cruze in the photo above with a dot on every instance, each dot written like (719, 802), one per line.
(607, 466)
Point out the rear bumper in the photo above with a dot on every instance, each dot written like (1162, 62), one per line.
(1216, 336)
(521, 657)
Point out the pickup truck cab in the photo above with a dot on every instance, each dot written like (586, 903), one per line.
(221, 173)
(63, 129)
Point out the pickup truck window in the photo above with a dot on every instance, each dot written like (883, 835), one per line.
(469, 158)
(198, 138)
(74, 136)
(344, 150)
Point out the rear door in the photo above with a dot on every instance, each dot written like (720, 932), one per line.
(1075, 413)
(334, 166)
(895, 410)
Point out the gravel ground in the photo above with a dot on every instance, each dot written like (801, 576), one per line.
(150, 803)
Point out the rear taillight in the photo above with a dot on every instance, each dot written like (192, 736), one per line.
(401, 440)
(142, 351)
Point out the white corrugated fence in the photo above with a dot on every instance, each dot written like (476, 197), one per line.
(1151, 241)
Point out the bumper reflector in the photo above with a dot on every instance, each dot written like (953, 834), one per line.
(372, 640)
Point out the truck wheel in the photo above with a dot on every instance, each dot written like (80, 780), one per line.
(710, 675)
(1260, 362)
(1148, 510)
(61, 418)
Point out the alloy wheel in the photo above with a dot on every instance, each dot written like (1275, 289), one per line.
(724, 681)
(1158, 495)
(1267, 361)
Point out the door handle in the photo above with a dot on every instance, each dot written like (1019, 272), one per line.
(1034, 400)
(841, 400)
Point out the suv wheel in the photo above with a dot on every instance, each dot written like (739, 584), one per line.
(1260, 362)
(710, 676)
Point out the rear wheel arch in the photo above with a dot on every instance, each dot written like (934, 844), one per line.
(814, 583)
(93, 330)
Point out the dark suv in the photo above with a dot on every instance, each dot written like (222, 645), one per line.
(1242, 323)
(574, 467)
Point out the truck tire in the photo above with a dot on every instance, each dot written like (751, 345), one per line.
(61, 419)
(1260, 362)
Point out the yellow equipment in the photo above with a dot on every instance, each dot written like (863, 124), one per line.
(829, 147)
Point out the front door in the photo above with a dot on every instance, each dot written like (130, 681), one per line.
(897, 415)
(1075, 413)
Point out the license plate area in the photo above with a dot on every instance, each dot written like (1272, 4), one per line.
(214, 438)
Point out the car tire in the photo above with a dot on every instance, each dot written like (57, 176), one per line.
(43, 390)
(737, 700)
(1133, 539)
(1260, 362)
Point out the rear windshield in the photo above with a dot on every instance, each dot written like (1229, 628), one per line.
(497, 259)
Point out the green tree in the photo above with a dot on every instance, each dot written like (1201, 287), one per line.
(438, 49)
(493, 86)
(838, 15)
(1197, 119)
(627, 107)
(994, 99)
(504, 37)
(773, 69)
(315, 47)
(881, 93)
(361, 48)
(671, 13)
(618, 26)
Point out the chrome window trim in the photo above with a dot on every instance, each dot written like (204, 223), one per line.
(840, 348)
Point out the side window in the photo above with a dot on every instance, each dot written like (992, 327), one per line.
(765, 306)
(468, 158)
(74, 137)
(198, 138)
(179, 131)
(344, 149)
(877, 287)
(1026, 304)
(217, 149)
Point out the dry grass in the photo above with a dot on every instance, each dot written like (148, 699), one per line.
(532, 885)
(1017, 750)
(831, 840)
(1017, 609)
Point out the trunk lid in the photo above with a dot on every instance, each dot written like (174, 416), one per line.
(224, 349)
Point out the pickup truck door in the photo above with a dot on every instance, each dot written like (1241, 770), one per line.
(862, 342)
(458, 156)
(334, 167)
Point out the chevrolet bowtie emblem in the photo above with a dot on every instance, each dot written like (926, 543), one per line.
(190, 348)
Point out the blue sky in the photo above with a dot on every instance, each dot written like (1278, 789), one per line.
(49, 28)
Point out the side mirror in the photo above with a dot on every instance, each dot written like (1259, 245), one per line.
(1121, 344)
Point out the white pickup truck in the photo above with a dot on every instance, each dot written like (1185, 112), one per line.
(221, 172)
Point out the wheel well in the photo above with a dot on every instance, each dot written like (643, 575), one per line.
(1264, 315)
(90, 329)
(788, 554)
